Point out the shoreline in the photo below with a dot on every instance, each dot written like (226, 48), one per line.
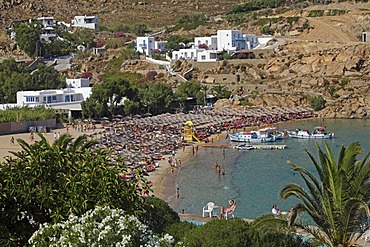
(164, 183)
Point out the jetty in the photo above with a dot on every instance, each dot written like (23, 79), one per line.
(264, 147)
(269, 146)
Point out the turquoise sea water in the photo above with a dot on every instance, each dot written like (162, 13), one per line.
(254, 178)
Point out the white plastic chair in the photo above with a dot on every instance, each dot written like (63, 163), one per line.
(208, 209)
(230, 214)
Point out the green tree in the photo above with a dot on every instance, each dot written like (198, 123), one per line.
(188, 89)
(204, 89)
(158, 215)
(45, 77)
(336, 199)
(156, 97)
(47, 183)
(107, 96)
(27, 37)
(317, 103)
(221, 233)
(221, 91)
(83, 37)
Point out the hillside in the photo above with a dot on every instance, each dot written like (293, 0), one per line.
(152, 12)
(321, 55)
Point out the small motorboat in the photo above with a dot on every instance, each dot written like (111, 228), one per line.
(244, 147)
(318, 133)
(252, 136)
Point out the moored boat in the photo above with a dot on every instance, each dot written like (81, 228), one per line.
(244, 146)
(272, 131)
(317, 133)
(252, 136)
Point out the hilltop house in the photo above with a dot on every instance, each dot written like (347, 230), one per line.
(365, 36)
(147, 45)
(206, 49)
(89, 22)
(68, 99)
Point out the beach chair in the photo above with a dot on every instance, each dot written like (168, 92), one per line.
(230, 214)
(208, 209)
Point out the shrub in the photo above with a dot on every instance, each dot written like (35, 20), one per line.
(26, 114)
(101, 227)
(100, 43)
(158, 215)
(317, 103)
(150, 75)
(316, 13)
(202, 46)
(179, 230)
(221, 233)
(86, 74)
(119, 35)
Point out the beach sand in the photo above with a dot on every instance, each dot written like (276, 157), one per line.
(164, 180)
(6, 146)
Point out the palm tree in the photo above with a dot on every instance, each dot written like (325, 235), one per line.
(336, 199)
(204, 88)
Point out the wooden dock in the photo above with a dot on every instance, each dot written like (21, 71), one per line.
(264, 147)
(269, 146)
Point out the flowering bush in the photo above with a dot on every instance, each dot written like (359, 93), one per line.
(99, 227)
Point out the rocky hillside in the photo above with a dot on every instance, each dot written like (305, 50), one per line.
(321, 55)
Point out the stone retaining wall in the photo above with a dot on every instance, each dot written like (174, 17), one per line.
(21, 127)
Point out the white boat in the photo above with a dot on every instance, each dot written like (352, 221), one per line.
(252, 136)
(244, 146)
(317, 133)
(279, 135)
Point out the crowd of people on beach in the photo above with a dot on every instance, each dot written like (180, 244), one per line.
(144, 142)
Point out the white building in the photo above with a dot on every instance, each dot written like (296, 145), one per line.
(89, 22)
(365, 36)
(251, 41)
(209, 43)
(160, 45)
(69, 99)
(145, 45)
(231, 40)
(186, 54)
(207, 56)
(78, 83)
(47, 21)
(47, 34)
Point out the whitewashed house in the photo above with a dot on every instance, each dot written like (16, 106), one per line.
(160, 45)
(78, 83)
(365, 36)
(145, 45)
(251, 41)
(207, 56)
(47, 21)
(230, 40)
(48, 33)
(209, 43)
(68, 99)
(186, 54)
(89, 22)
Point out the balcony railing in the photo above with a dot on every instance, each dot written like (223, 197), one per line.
(238, 39)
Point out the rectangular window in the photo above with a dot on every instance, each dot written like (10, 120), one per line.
(54, 98)
(203, 57)
(72, 98)
(30, 99)
(67, 98)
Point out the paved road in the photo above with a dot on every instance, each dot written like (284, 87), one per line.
(62, 62)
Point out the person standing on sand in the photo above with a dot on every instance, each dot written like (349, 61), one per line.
(12, 141)
(177, 191)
